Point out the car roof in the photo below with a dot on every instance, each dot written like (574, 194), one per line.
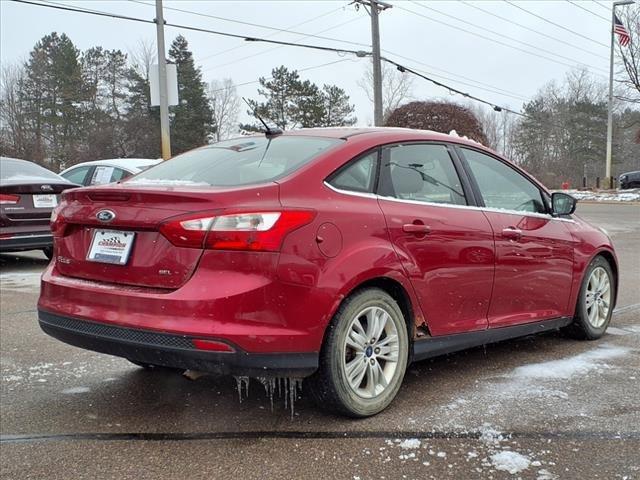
(132, 164)
(35, 173)
(400, 134)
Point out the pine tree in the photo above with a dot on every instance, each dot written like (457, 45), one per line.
(294, 103)
(53, 90)
(192, 118)
(141, 122)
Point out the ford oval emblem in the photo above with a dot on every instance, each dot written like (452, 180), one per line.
(105, 215)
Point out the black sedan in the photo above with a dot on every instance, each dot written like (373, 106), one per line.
(28, 193)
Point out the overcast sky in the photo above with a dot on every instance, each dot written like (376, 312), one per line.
(427, 38)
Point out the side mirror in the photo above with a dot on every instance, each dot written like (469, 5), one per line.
(562, 204)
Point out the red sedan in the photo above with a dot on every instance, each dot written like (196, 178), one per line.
(335, 254)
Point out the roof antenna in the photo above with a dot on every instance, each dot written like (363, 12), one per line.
(269, 132)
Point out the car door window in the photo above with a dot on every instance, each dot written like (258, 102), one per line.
(101, 175)
(357, 176)
(502, 186)
(77, 175)
(119, 174)
(423, 173)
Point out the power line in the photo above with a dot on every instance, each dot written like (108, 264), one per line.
(576, 4)
(276, 33)
(399, 66)
(248, 38)
(499, 34)
(512, 22)
(493, 88)
(608, 9)
(279, 30)
(496, 107)
(544, 19)
(270, 50)
(271, 78)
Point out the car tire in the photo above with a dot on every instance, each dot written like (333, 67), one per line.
(360, 375)
(595, 301)
(48, 252)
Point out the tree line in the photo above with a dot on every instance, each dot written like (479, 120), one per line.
(63, 106)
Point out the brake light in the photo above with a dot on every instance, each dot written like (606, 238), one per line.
(6, 199)
(256, 231)
(57, 222)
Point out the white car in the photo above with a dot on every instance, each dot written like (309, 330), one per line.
(106, 171)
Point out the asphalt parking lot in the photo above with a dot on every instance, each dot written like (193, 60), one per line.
(542, 407)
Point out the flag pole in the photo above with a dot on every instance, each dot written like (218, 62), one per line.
(608, 178)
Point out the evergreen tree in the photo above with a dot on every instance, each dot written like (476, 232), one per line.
(192, 118)
(142, 122)
(53, 90)
(293, 103)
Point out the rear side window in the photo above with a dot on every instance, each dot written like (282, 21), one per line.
(242, 161)
(423, 173)
(77, 175)
(358, 176)
(502, 186)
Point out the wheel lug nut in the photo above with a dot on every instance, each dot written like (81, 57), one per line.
(372, 361)
(377, 350)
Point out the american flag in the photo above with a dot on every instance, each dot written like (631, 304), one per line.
(623, 35)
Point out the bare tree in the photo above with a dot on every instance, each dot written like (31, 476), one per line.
(225, 105)
(14, 132)
(628, 71)
(397, 87)
(142, 57)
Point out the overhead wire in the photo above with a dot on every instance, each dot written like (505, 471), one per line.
(497, 34)
(544, 19)
(268, 27)
(512, 22)
(576, 4)
(357, 53)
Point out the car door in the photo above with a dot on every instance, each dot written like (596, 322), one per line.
(446, 247)
(534, 251)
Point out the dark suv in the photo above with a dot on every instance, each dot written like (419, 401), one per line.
(630, 180)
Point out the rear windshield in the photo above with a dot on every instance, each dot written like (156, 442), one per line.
(12, 170)
(241, 161)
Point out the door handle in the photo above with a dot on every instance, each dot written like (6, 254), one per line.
(417, 228)
(512, 233)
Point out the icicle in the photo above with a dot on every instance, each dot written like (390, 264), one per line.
(240, 382)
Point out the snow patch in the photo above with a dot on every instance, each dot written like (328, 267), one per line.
(410, 443)
(166, 183)
(631, 195)
(568, 367)
(75, 390)
(511, 462)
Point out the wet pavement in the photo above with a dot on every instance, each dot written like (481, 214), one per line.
(540, 407)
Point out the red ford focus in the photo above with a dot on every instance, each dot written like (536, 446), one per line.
(335, 254)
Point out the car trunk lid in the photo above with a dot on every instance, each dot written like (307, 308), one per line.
(135, 214)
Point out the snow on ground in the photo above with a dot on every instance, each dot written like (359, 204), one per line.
(568, 367)
(630, 195)
(511, 462)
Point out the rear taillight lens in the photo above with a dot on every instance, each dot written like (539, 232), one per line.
(257, 231)
(58, 222)
(6, 199)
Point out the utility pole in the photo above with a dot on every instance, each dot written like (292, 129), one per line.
(162, 74)
(608, 178)
(375, 7)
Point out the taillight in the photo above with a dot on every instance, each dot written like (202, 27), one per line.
(57, 221)
(6, 199)
(257, 231)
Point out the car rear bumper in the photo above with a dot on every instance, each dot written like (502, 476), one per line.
(172, 350)
(25, 241)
